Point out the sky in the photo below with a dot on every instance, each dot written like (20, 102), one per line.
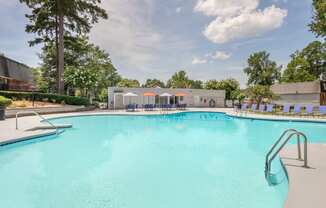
(209, 39)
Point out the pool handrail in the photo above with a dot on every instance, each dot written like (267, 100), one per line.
(37, 114)
(268, 161)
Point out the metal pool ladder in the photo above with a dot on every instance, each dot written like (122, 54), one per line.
(37, 114)
(290, 132)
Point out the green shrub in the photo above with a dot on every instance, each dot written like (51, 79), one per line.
(69, 100)
(4, 101)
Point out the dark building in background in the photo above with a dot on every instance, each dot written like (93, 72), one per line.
(15, 76)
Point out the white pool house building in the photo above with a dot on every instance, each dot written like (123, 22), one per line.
(119, 97)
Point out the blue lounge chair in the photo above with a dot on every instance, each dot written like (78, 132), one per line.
(151, 107)
(262, 108)
(309, 109)
(244, 106)
(322, 110)
(286, 108)
(297, 109)
(131, 107)
(269, 108)
(254, 107)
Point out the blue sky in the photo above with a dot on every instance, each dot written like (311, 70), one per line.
(210, 39)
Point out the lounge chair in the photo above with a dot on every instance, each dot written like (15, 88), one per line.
(309, 109)
(270, 108)
(131, 107)
(244, 107)
(322, 110)
(262, 108)
(254, 107)
(297, 109)
(286, 109)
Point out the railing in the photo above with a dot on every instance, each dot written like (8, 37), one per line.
(37, 114)
(268, 159)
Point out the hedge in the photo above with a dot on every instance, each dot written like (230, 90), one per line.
(4, 101)
(54, 98)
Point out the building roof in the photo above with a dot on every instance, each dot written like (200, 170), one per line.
(12, 69)
(296, 88)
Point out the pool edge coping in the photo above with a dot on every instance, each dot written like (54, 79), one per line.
(229, 113)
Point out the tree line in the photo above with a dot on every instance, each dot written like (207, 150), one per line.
(71, 64)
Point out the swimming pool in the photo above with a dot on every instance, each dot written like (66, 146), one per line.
(163, 161)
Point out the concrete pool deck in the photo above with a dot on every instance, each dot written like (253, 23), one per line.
(305, 185)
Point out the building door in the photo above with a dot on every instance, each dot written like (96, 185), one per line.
(323, 98)
(118, 101)
(323, 93)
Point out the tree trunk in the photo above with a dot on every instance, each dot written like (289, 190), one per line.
(57, 49)
(61, 50)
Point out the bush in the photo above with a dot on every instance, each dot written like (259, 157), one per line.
(4, 101)
(69, 100)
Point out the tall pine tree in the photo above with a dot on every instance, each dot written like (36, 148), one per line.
(54, 20)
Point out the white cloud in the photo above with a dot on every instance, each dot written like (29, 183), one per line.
(224, 8)
(128, 34)
(237, 19)
(197, 60)
(221, 55)
(178, 10)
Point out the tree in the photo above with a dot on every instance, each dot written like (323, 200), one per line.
(259, 92)
(178, 80)
(308, 64)
(237, 95)
(80, 54)
(152, 83)
(229, 85)
(81, 78)
(318, 24)
(128, 83)
(211, 84)
(52, 21)
(297, 70)
(195, 84)
(261, 70)
(41, 83)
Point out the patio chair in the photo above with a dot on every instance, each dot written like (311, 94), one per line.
(169, 106)
(262, 108)
(146, 107)
(244, 106)
(254, 107)
(151, 107)
(297, 109)
(270, 108)
(309, 110)
(131, 107)
(286, 109)
(322, 110)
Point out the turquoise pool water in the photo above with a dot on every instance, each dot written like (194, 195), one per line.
(186, 160)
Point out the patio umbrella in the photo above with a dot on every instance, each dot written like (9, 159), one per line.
(129, 94)
(149, 94)
(180, 94)
(167, 95)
